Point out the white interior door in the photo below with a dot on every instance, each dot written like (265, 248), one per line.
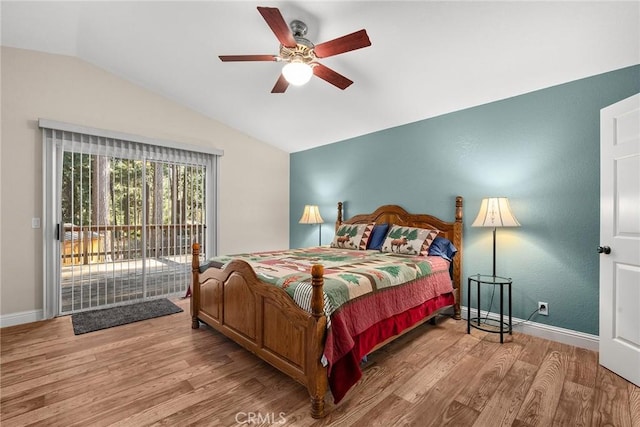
(620, 238)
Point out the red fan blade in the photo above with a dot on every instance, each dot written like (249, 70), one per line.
(281, 85)
(278, 25)
(227, 58)
(327, 74)
(343, 44)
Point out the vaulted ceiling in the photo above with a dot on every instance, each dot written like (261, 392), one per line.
(427, 58)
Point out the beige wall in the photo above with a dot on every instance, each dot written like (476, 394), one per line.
(254, 176)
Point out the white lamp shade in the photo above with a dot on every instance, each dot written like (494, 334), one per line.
(495, 212)
(311, 215)
(297, 73)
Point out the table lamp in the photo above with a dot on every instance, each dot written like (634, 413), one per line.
(311, 215)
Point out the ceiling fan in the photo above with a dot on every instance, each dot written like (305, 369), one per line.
(300, 55)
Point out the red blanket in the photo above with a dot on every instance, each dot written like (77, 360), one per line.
(361, 324)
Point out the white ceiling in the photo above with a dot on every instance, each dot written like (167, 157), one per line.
(427, 58)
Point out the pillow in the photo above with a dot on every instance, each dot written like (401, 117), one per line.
(352, 236)
(408, 240)
(442, 247)
(377, 236)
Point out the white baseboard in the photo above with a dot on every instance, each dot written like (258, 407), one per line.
(20, 318)
(540, 330)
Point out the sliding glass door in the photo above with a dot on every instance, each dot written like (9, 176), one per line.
(126, 215)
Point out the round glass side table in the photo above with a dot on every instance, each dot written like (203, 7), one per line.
(501, 327)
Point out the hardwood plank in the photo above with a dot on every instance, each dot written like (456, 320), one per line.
(17, 372)
(100, 400)
(87, 361)
(380, 414)
(68, 343)
(29, 404)
(539, 405)
(575, 407)
(31, 334)
(123, 408)
(27, 386)
(485, 347)
(418, 352)
(107, 374)
(634, 403)
(611, 400)
(502, 408)
(159, 407)
(583, 366)
(457, 415)
(234, 398)
(437, 406)
(535, 351)
(484, 383)
(60, 391)
(439, 368)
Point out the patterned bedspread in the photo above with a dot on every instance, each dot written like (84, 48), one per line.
(348, 274)
(361, 289)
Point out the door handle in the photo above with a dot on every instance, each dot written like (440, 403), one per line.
(604, 250)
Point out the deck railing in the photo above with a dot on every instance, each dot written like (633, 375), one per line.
(107, 243)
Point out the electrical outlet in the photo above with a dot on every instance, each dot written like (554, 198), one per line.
(543, 308)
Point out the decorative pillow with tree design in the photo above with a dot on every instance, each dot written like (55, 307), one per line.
(408, 240)
(352, 236)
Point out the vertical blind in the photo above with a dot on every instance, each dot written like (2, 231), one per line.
(127, 210)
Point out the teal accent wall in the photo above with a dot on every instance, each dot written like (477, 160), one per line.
(540, 149)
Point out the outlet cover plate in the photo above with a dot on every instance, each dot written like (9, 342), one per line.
(543, 308)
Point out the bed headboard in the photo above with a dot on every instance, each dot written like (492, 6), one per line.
(396, 215)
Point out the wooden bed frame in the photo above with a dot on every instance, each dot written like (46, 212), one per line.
(265, 320)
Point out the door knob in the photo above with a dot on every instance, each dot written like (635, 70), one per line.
(604, 250)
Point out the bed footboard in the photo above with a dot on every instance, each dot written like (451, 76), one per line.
(265, 320)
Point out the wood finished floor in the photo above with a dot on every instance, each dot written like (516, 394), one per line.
(161, 372)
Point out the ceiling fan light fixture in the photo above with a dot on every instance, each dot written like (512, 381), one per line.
(297, 72)
(300, 55)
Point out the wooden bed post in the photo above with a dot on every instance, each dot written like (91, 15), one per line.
(339, 219)
(195, 286)
(318, 381)
(317, 297)
(457, 260)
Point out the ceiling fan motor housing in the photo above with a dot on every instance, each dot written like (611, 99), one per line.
(303, 52)
(298, 28)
